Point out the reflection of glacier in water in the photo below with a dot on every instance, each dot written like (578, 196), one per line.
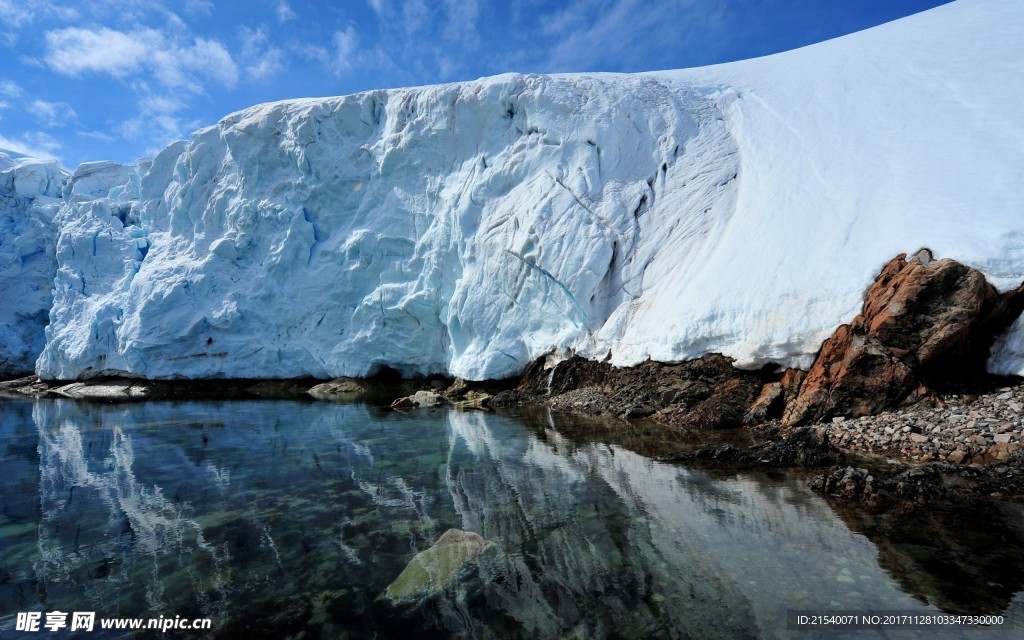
(274, 518)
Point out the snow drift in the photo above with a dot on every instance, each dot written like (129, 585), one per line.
(470, 228)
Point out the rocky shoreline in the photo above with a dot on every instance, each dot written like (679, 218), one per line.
(950, 449)
(897, 407)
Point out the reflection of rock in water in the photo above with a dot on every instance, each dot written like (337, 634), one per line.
(969, 561)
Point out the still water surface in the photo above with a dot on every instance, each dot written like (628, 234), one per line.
(289, 519)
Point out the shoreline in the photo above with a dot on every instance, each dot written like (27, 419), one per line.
(883, 462)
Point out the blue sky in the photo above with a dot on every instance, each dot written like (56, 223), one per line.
(119, 79)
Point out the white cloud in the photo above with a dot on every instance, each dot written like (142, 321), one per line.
(4, 105)
(10, 89)
(52, 114)
(284, 12)
(258, 57)
(173, 61)
(74, 51)
(32, 143)
(376, 6)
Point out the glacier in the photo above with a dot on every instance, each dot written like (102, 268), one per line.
(469, 228)
(30, 194)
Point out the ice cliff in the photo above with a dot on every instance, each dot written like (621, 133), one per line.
(30, 193)
(470, 228)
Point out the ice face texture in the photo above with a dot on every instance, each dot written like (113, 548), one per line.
(469, 228)
(29, 196)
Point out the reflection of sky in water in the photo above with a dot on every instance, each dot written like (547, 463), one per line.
(284, 516)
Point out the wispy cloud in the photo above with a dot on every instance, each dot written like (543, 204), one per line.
(52, 114)
(284, 12)
(10, 89)
(418, 41)
(461, 18)
(258, 56)
(18, 13)
(154, 104)
(159, 121)
(33, 143)
(199, 7)
(341, 56)
(346, 43)
(15, 13)
(98, 136)
(174, 62)
(156, 131)
(598, 34)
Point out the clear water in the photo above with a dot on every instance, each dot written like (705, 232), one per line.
(288, 519)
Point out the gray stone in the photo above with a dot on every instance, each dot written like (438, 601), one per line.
(418, 399)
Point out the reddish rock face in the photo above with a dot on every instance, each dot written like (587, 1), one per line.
(925, 323)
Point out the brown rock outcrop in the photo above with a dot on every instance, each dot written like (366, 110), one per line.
(925, 324)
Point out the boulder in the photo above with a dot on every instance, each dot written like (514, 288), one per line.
(340, 388)
(421, 398)
(924, 324)
(473, 400)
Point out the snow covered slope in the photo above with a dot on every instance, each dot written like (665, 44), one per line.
(469, 228)
(29, 195)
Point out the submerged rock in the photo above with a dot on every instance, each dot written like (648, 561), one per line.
(432, 570)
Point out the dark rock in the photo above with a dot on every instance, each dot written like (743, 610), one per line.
(707, 392)
(803, 447)
(904, 486)
(769, 404)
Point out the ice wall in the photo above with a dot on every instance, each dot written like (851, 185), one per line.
(470, 228)
(463, 228)
(29, 195)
